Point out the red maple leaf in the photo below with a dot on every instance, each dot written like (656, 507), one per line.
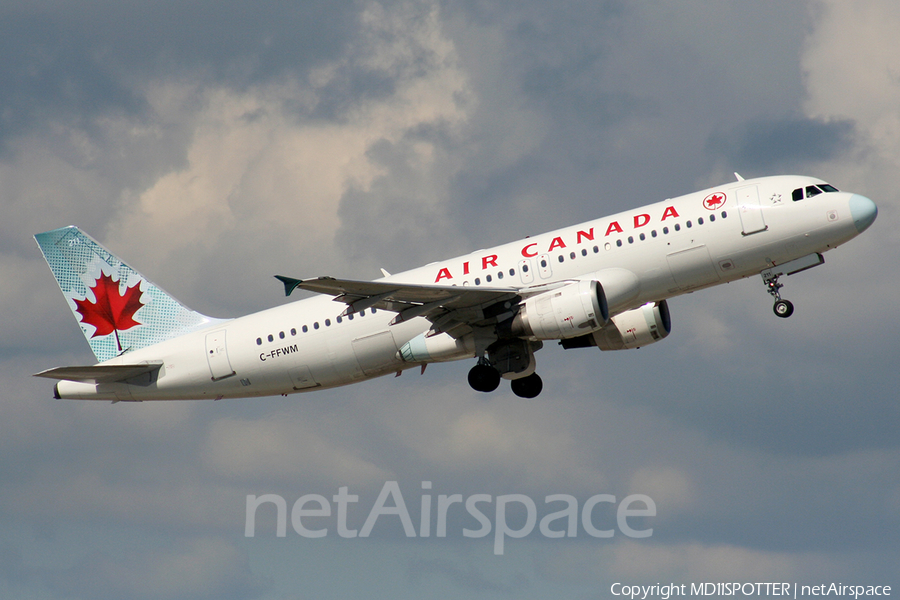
(110, 312)
(715, 199)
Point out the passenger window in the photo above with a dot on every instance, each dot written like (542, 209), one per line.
(327, 322)
(630, 240)
(259, 341)
(513, 271)
(677, 227)
(499, 274)
(293, 331)
(572, 255)
(712, 218)
(643, 237)
(700, 221)
(596, 249)
(281, 334)
(271, 338)
(525, 267)
(339, 319)
(305, 329)
(477, 281)
(689, 224)
(316, 325)
(561, 258)
(665, 230)
(653, 233)
(619, 243)
(487, 279)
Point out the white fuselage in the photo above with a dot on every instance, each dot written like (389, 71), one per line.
(672, 247)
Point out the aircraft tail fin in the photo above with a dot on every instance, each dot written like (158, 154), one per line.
(117, 308)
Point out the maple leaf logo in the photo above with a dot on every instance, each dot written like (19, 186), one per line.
(714, 200)
(110, 312)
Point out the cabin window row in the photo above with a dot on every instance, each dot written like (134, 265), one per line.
(305, 328)
(596, 249)
(676, 227)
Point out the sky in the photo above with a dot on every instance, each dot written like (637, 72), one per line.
(213, 145)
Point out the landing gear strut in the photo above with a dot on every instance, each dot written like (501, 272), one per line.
(782, 308)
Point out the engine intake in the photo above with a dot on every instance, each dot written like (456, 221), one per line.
(567, 312)
(631, 329)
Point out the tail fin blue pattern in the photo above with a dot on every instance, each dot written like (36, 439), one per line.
(118, 308)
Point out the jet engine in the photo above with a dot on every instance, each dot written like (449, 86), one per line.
(570, 311)
(631, 329)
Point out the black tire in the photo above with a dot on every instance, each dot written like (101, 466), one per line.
(484, 378)
(527, 387)
(783, 308)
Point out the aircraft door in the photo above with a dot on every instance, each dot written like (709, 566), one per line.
(545, 270)
(217, 355)
(526, 271)
(752, 219)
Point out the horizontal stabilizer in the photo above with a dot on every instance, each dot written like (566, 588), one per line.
(100, 373)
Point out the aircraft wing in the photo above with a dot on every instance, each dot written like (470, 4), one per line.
(448, 307)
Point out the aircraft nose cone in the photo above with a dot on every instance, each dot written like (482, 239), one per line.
(863, 212)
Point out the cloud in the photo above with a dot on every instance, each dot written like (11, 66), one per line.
(214, 146)
(779, 145)
(197, 568)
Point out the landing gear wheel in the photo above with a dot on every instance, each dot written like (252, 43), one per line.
(783, 308)
(527, 387)
(484, 378)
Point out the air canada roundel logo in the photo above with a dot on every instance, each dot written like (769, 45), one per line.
(714, 200)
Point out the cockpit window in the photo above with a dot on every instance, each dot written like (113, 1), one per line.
(812, 190)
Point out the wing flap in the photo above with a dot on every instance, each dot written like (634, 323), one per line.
(100, 373)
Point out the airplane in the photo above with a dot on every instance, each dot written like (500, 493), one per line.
(603, 283)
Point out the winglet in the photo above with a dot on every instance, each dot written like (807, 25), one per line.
(738, 176)
(290, 284)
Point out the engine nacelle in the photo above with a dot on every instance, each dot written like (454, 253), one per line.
(567, 312)
(631, 329)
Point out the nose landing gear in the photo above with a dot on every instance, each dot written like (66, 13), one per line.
(782, 308)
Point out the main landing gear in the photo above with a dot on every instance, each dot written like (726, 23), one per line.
(485, 378)
(782, 308)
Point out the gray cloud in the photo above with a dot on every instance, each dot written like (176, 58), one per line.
(212, 147)
(765, 145)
